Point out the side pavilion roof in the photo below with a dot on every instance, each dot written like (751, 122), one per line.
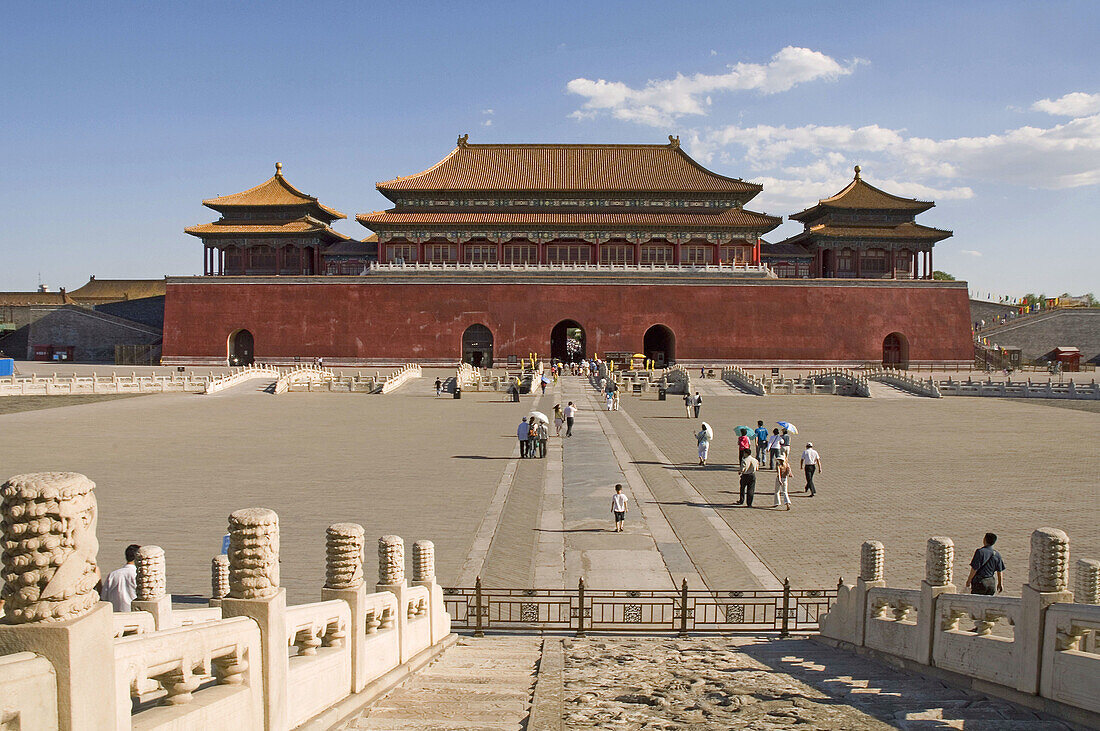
(569, 168)
(275, 192)
(860, 194)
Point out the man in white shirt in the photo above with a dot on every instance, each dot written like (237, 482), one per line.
(570, 414)
(120, 588)
(749, 466)
(618, 507)
(811, 463)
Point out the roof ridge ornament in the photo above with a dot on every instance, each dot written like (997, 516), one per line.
(674, 142)
(463, 140)
(279, 168)
(857, 172)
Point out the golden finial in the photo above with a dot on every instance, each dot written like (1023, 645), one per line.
(463, 140)
(857, 172)
(674, 142)
(278, 168)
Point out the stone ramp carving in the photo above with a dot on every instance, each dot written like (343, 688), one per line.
(479, 684)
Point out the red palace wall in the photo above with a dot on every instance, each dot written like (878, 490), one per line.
(388, 320)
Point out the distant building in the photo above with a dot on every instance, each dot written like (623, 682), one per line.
(866, 233)
(105, 291)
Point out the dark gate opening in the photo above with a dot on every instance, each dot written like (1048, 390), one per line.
(659, 345)
(477, 346)
(567, 342)
(895, 351)
(241, 348)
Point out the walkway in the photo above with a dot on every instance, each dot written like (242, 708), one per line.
(478, 684)
(702, 682)
(881, 390)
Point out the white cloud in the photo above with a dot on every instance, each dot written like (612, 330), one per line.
(487, 123)
(661, 101)
(488, 111)
(1065, 155)
(1076, 104)
(970, 252)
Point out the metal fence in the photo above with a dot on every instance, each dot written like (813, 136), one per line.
(582, 609)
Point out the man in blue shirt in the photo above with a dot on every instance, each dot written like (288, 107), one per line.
(986, 568)
(761, 443)
(522, 432)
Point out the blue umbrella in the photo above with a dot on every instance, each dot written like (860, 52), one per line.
(788, 426)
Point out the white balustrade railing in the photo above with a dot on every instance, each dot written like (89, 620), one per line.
(399, 378)
(177, 662)
(55, 385)
(1021, 389)
(134, 623)
(415, 267)
(302, 374)
(904, 382)
(743, 379)
(319, 673)
(28, 692)
(240, 375)
(1040, 644)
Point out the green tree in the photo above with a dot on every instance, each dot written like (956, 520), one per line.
(942, 276)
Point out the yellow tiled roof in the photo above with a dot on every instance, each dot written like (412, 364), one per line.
(23, 299)
(227, 228)
(98, 291)
(275, 191)
(861, 194)
(549, 167)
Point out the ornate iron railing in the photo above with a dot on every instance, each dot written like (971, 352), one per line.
(683, 610)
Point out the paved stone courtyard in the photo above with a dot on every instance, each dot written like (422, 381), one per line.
(169, 468)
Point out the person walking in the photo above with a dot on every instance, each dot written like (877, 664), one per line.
(618, 508)
(542, 385)
(120, 588)
(782, 473)
(786, 445)
(811, 463)
(702, 438)
(697, 403)
(761, 435)
(532, 438)
(523, 431)
(559, 420)
(438, 387)
(744, 447)
(775, 447)
(570, 414)
(609, 398)
(688, 401)
(986, 568)
(749, 466)
(542, 435)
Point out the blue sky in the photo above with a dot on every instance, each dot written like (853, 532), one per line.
(119, 118)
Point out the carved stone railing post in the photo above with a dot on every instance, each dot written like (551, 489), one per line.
(424, 575)
(847, 619)
(1048, 583)
(939, 563)
(344, 544)
(254, 592)
(391, 578)
(1086, 585)
(219, 579)
(152, 593)
(49, 574)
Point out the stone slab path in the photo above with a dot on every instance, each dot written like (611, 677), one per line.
(478, 684)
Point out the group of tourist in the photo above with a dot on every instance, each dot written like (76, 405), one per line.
(533, 433)
(693, 404)
(774, 447)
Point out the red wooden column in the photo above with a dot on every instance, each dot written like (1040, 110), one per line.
(280, 257)
(638, 252)
(857, 255)
(893, 264)
(316, 260)
(931, 267)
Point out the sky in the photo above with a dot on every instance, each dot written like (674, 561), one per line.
(118, 119)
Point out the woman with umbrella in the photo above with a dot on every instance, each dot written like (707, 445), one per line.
(744, 445)
(703, 438)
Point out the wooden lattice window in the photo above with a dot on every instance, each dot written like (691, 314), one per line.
(401, 252)
(658, 254)
(441, 253)
(479, 253)
(873, 261)
(521, 254)
(696, 255)
(569, 253)
(617, 254)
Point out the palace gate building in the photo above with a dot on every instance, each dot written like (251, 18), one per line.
(504, 250)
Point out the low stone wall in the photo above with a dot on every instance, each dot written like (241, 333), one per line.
(239, 376)
(1038, 646)
(1021, 389)
(67, 661)
(114, 384)
(905, 382)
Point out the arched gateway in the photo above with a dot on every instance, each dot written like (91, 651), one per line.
(659, 345)
(567, 342)
(241, 348)
(477, 346)
(895, 351)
